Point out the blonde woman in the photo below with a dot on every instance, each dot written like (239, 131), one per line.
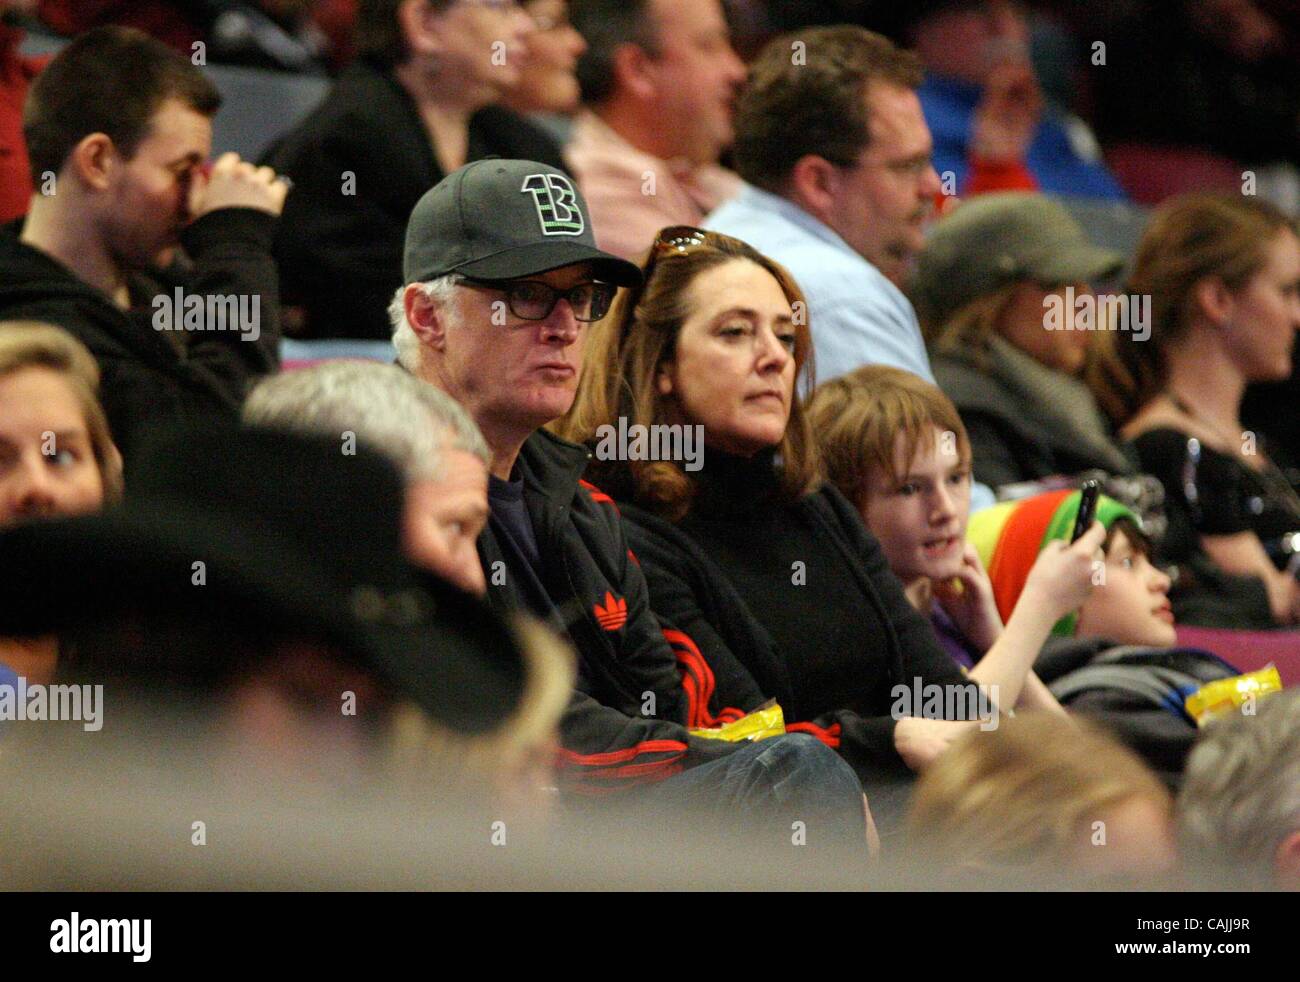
(57, 456)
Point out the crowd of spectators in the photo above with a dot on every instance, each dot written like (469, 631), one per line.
(759, 448)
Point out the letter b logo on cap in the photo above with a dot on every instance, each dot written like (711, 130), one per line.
(556, 202)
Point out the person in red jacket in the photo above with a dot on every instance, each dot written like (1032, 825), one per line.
(16, 74)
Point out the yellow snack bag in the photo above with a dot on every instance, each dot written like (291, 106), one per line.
(1228, 695)
(765, 721)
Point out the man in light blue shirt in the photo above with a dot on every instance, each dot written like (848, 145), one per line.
(833, 145)
(857, 316)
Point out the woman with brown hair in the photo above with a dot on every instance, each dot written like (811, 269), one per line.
(57, 456)
(1223, 277)
(767, 573)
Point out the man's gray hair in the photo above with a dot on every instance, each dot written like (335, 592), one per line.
(381, 406)
(1241, 792)
(405, 342)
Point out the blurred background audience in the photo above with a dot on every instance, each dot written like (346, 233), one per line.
(987, 280)
(422, 98)
(659, 82)
(1025, 242)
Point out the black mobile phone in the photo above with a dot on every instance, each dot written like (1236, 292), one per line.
(1089, 492)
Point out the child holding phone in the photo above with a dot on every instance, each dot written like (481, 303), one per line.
(1130, 600)
(1113, 654)
(895, 446)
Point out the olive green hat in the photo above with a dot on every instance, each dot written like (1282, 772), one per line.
(995, 239)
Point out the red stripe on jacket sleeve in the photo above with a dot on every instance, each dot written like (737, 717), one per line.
(615, 770)
(698, 682)
(599, 496)
(624, 755)
(827, 735)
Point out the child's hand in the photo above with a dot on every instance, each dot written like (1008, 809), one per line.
(920, 741)
(968, 600)
(1062, 576)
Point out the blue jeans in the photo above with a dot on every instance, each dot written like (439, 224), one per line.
(762, 789)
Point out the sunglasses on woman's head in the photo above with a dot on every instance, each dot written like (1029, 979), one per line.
(679, 239)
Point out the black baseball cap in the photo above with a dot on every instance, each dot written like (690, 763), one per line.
(497, 219)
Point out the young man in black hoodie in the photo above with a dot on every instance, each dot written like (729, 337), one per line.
(502, 278)
(118, 129)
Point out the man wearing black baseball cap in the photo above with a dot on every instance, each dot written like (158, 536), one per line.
(502, 278)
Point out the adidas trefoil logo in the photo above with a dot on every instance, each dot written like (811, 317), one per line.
(613, 615)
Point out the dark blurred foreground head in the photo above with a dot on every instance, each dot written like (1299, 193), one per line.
(253, 586)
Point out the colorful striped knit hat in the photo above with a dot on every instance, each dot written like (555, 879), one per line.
(1011, 534)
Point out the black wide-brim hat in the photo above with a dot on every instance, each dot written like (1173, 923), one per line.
(296, 539)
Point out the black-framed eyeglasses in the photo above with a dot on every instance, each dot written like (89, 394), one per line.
(533, 300)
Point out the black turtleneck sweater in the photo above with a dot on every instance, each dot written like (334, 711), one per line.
(796, 581)
(823, 625)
